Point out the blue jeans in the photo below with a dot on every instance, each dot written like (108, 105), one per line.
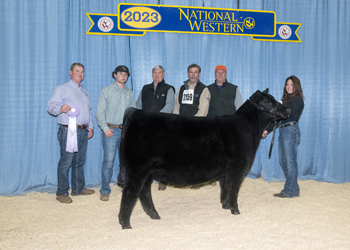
(75, 160)
(110, 149)
(288, 141)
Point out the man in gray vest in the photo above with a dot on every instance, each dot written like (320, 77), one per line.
(225, 97)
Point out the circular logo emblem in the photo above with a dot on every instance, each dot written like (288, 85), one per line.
(284, 31)
(105, 24)
(249, 23)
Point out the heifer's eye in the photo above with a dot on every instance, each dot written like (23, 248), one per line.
(267, 102)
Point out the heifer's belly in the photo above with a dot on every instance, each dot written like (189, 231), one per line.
(185, 177)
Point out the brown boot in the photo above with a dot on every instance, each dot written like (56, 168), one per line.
(64, 199)
(85, 192)
(104, 197)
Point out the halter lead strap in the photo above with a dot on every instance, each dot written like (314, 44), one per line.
(273, 138)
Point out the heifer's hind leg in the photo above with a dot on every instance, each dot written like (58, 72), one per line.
(224, 199)
(127, 204)
(146, 199)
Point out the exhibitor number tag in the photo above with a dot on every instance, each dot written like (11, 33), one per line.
(187, 97)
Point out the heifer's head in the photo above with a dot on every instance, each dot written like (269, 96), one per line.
(266, 102)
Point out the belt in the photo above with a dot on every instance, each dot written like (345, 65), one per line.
(78, 126)
(288, 124)
(115, 126)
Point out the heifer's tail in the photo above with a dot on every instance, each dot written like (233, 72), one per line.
(122, 176)
(127, 113)
(121, 179)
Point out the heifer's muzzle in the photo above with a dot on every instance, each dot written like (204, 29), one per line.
(281, 111)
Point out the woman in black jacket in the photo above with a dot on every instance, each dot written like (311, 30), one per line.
(289, 136)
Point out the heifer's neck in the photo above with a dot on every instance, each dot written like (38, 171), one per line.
(258, 119)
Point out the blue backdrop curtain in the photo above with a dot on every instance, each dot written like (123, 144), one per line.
(40, 39)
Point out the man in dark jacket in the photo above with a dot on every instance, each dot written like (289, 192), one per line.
(157, 96)
(225, 97)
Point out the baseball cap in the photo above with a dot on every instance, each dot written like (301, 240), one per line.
(121, 68)
(220, 67)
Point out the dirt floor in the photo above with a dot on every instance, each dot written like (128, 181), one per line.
(190, 219)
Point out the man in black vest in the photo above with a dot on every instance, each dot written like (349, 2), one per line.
(157, 96)
(193, 97)
(225, 97)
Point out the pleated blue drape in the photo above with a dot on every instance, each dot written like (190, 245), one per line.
(39, 40)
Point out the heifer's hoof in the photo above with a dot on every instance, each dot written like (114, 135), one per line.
(154, 216)
(225, 206)
(235, 211)
(126, 227)
(125, 223)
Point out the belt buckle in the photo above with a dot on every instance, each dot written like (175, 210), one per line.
(288, 124)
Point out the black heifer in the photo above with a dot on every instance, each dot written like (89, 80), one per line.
(182, 150)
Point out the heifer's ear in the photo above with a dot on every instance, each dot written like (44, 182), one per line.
(266, 91)
(253, 98)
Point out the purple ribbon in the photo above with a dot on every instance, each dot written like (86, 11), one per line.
(74, 112)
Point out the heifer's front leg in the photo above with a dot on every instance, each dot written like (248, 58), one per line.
(146, 199)
(228, 197)
(127, 204)
(233, 195)
(233, 204)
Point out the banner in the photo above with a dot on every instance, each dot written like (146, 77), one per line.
(137, 19)
(107, 24)
(286, 32)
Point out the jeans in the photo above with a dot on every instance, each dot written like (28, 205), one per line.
(110, 148)
(75, 160)
(288, 141)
